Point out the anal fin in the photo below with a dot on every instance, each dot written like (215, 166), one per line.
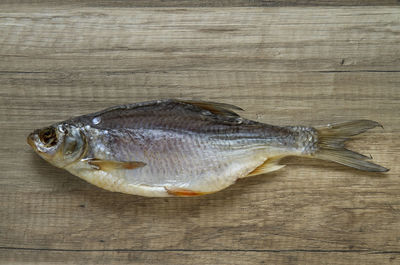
(271, 164)
(108, 165)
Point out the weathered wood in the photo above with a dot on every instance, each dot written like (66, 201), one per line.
(283, 65)
(179, 257)
(198, 3)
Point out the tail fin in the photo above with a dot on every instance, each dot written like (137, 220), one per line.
(331, 141)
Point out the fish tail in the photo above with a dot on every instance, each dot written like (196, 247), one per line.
(330, 145)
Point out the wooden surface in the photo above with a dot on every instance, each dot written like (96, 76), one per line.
(285, 64)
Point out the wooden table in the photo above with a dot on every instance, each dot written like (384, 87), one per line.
(285, 62)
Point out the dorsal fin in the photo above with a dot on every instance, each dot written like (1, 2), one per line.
(162, 113)
(214, 107)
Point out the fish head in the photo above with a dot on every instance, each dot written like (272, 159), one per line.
(59, 144)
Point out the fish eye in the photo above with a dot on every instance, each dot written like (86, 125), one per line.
(48, 136)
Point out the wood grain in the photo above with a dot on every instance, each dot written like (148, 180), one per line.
(199, 3)
(207, 257)
(290, 65)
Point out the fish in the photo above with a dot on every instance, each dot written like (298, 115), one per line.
(175, 147)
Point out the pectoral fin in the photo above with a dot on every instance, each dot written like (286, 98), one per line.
(271, 164)
(108, 165)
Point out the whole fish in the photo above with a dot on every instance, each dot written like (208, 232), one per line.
(185, 148)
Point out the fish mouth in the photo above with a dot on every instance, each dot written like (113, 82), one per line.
(31, 140)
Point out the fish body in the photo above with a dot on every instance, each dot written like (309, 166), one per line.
(183, 148)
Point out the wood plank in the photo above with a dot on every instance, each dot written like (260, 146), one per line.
(199, 3)
(283, 65)
(15, 257)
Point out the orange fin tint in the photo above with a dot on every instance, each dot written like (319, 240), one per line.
(214, 107)
(184, 192)
(108, 165)
(271, 164)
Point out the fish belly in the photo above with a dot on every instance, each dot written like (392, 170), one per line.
(183, 161)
